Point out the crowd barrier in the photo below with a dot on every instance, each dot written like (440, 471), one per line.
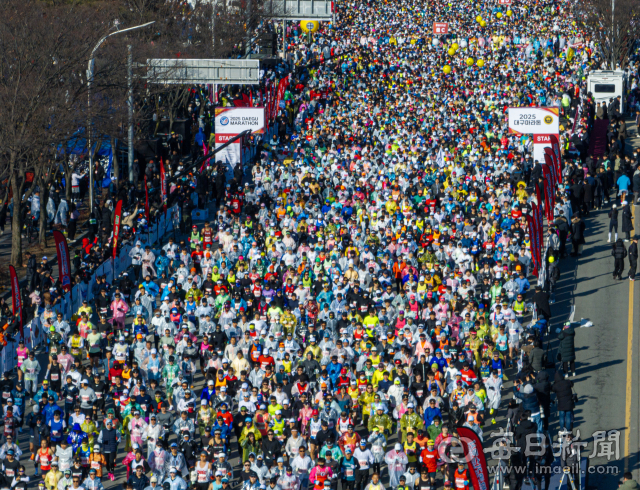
(33, 337)
(69, 304)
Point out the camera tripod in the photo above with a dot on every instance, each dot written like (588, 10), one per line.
(567, 472)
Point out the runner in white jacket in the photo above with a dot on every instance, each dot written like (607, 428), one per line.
(494, 386)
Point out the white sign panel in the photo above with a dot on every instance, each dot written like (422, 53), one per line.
(230, 157)
(299, 9)
(534, 120)
(187, 71)
(540, 142)
(235, 120)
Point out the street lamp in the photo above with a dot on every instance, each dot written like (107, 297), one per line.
(90, 69)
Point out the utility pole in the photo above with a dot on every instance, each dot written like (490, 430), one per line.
(613, 35)
(213, 28)
(249, 23)
(130, 103)
(90, 74)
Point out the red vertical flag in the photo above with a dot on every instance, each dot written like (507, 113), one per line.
(548, 204)
(16, 299)
(555, 145)
(533, 236)
(205, 152)
(282, 86)
(163, 187)
(539, 227)
(64, 263)
(538, 193)
(146, 202)
(117, 219)
(273, 101)
(552, 181)
(550, 159)
(475, 458)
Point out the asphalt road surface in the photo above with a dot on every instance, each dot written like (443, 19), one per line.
(606, 380)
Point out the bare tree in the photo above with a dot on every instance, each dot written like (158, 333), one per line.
(614, 25)
(46, 171)
(195, 29)
(44, 49)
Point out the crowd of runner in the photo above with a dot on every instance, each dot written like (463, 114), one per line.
(363, 291)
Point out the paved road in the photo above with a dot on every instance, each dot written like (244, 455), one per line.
(605, 381)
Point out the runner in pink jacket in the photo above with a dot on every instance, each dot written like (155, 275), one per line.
(119, 307)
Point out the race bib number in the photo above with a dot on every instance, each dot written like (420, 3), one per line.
(348, 473)
(55, 377)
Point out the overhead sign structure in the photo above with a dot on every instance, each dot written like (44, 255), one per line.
(299, 9)
(534, 120)
(188, 71)
(441, 28)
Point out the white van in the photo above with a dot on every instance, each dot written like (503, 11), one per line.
(606, 85)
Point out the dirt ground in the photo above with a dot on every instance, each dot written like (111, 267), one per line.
(49, 251)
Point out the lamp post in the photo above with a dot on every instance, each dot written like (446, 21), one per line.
(90, 73)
